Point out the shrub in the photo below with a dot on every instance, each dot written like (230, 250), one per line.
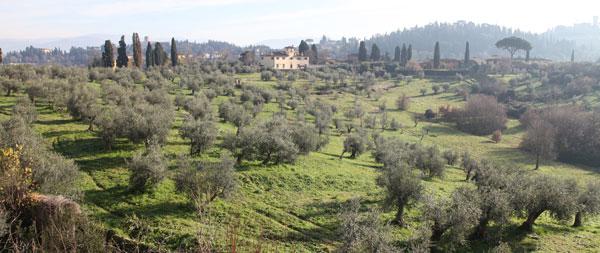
(395, 125)
(451, 157)
(482, 115)
(266, 75)
(497, 136)
(403, 102)
(25, 109)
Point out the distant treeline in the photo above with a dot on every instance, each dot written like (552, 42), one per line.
(482, 37)
(78, 56)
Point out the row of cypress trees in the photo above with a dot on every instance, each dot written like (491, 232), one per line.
(404, 54)
(154, 56)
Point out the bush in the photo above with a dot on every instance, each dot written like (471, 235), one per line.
(497, 136)
(403, 102)
(25, 109)
(482, 115)
(395, 125)
(266, 76)
(451, 157)
(147, 169)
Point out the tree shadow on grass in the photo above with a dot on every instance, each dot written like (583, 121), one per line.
(53, 134)
(89, 147)
(55, 122)
(102, 163)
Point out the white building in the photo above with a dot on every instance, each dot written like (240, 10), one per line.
(287, 59)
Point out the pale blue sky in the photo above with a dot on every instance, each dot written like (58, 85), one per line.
(249, 21)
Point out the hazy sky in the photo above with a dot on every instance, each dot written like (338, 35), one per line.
(250, 21)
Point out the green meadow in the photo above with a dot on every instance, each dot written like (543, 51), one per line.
(296, 207)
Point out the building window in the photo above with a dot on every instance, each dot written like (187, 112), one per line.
(298, 65)
(277, 66)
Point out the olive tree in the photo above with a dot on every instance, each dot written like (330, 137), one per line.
(147, 168)
(201, 133)
(355, 144)
(198, 106)
(538, 194)
(366, 234)
(452, 220)
(206, 182)
(588, 203)
(401, 189)
(25, 109)
(10, 85)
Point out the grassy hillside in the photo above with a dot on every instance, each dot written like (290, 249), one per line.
(292, 208)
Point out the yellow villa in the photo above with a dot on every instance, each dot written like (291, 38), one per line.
(287, 59)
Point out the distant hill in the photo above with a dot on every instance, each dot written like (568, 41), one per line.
(556, 44)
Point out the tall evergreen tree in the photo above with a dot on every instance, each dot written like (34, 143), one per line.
(436, 56)
(362, 52)
(467, 54)
(160, 57)
(572, 55)
(409, 53)
(174, 59)
(108, 58)
(314, 54)
(375, 53)
(122, 59)
(397, 54)
(303, 48)
(137, 50)
(1, 56)
(149, 55)
(527, 55)
(403, 55)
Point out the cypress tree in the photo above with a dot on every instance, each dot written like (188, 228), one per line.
(362, 51)
(160, 57)
(174, 59)
(397, 54)
(436, 56)
(1, 59)
(303, 48)
(527, 56)
(375, 53)
(467, 54)
(137, 50)
(572, 55)
(149, 55)
(108, 58)
(122, 59)
(403, 55)
(314, 54)
(409, 53)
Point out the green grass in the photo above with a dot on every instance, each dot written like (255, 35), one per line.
(294, 207)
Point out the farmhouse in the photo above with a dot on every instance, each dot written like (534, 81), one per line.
(287, 59)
